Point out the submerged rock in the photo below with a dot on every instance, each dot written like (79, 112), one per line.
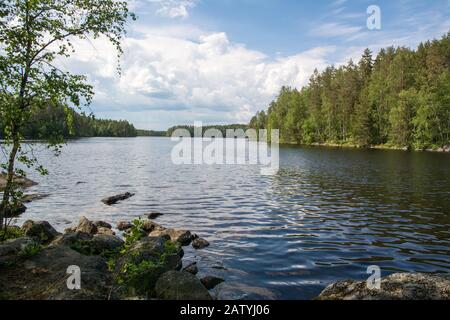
(398, 286)
(114, 199)
(211, 282)
(180, 285)
(42, 230)
(34, 196)
(200, 243)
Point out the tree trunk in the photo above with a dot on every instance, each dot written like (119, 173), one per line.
(9, 188)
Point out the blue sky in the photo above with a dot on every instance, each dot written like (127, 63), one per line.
(219, 61)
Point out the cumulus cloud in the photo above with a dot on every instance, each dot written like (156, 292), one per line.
(204, 76)
(174, 8)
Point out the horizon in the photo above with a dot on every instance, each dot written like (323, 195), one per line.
(200, 60)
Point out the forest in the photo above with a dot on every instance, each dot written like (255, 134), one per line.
(399, 98)
(57, 122)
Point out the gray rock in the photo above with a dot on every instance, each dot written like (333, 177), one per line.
(114, 199)
(191, 268)
(19, 181)
(102, 242)
(200, 243)
(154, 215)
(180, 285)
(44, 276)
(86, 226)
(107, 231)
(15, 211)
(42, 230)
(14, 246)
(71, 238)
(211, 282)
(182, 237)
(124, 225)
(149, 226)
(102, 224)
(398, 286)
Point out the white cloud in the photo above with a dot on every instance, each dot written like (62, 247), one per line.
(335, 29)
(208, 78)
(174, 8)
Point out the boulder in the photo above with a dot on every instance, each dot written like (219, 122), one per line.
(107, 231)
(154, 215)
(19, 181)
(398, 286)
(44, 276)
(102, 242)
(86, 226)
(182, 237)
(71, 238)
(191, 268)
(149, 226)
(200, 243)
(10, 248)
(124, 225)
(42, 230)
(153, 256)
(114, 199)
(180, 285)
(102, 224)
(211, 282)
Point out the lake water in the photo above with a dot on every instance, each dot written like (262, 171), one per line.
(327, 215)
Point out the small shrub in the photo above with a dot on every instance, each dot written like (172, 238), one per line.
(30, 250)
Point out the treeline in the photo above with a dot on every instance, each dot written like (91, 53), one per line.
(222, 128)
(55, 122)
(151, 133)
(400, 98)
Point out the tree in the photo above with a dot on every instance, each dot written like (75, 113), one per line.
(33, 33)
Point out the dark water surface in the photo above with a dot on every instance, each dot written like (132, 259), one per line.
(327, 215)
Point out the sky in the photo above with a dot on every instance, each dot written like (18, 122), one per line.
(220, 61)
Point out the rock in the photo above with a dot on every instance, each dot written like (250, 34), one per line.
(398, 286)
(114, 199)
(191, 268)
(86, 226)
(200, 243)
(124, 225)
(102, 242)
(180, 285)
(19, 181)
(149, 226)
(182, 237)
(154, 253)
(42, 230)
(71, 238)
(44, 277)
(33, 197)
(15, 211)
(154, 215)
(15, 245)
(105, 231)
(211, 282)
(102, 224)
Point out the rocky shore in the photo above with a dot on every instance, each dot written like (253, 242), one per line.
(146, 263)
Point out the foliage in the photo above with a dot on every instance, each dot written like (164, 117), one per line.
(10, 233)
(401, 98)
(34, 36)
(30, 250)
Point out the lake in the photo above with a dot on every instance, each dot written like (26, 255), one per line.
(326, 216)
